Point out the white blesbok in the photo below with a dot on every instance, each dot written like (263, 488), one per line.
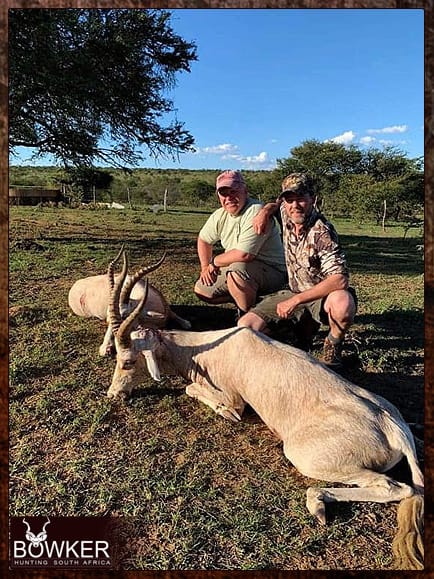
(331, 429)
(89, 297)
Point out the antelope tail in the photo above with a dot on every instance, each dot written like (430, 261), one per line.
(407, 545)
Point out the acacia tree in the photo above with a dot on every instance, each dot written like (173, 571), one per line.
(83, 182)
(89, 85)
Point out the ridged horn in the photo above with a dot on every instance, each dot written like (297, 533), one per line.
(114, 314)
(124, 332)
(127, 288)
(111, 268)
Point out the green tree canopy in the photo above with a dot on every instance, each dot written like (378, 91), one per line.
(198, 190)
(87, 85)
(356, 183)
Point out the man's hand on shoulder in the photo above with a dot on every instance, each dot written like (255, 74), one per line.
(261, 221)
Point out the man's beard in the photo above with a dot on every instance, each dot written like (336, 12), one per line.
(299, 220)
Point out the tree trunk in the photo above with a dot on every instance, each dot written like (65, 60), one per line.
(384, 214)
(165, 201)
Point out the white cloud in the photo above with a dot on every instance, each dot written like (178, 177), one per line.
(343, 139)
(222, 149)
(261, 158)
(249, 161)
(388, 130)
(229, 152)
(368, 140)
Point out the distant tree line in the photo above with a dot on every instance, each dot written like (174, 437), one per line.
(350, 182)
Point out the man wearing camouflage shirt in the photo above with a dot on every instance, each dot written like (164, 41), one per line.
(318, 290)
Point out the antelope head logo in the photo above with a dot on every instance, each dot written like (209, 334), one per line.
(36, 539)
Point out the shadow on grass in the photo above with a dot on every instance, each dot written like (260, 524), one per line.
(157, 391)
(203, 317)
(387, 255)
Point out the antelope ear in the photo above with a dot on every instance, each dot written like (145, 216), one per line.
(152, 365)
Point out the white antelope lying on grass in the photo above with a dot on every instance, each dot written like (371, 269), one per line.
(90, 296)
(331, 429)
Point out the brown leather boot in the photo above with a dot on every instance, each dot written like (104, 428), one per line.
(332, 354)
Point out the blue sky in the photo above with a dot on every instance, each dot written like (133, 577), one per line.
(266, 80)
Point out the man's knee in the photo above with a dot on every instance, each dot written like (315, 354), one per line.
(204, 298)
(235, 276)
(342, 317)
(239, 281)
(202, 292)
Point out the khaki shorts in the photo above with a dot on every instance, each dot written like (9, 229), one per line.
(266, 309)
(264, 278)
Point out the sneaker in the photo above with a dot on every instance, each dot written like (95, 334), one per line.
(332, 354)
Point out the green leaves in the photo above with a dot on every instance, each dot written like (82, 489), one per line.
(352, 182)
(80, 79)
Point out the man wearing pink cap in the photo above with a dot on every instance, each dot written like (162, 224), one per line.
(251, 264)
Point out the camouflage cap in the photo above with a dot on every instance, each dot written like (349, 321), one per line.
(297, 183)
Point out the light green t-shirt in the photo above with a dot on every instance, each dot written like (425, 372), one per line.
(236, 232)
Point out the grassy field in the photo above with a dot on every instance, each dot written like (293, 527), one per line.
(193, 490)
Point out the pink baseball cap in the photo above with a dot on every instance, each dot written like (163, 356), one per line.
(232, 179)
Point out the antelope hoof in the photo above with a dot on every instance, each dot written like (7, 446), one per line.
(228, 413)
(315, 504)
(107, 351)
(120, 395)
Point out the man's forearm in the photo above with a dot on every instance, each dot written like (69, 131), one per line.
(261, 221)
(324, 288)
(270, 208)
(231, 256)
(204, 252)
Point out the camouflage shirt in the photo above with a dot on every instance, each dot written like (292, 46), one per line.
(314, 255)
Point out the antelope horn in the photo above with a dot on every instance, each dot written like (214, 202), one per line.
(27, 525)
(43, 528)
(123, 333)
(114, 314)
(127, 288)
(111, 268)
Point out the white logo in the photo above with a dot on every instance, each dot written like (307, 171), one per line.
(36, 539)
(37, 550)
